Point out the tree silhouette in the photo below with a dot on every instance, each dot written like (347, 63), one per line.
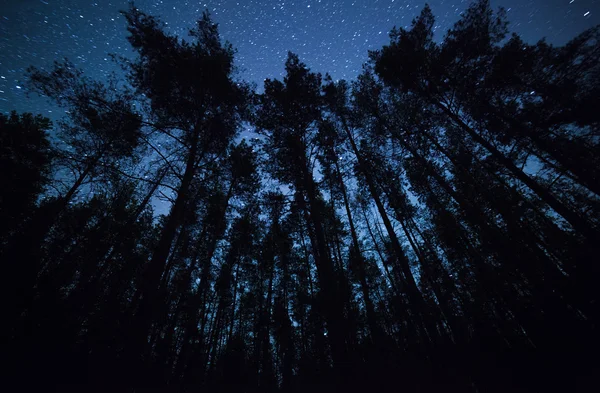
(431, 225)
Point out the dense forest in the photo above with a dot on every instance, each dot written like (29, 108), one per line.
(429, 226)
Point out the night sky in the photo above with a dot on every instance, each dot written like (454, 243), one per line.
(329, 35)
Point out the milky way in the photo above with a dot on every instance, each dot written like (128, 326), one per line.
(331, 36)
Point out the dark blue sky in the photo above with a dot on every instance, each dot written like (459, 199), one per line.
(329, 35)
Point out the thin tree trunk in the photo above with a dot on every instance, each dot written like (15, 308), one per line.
(409, 281)
(359, 260)
(146, 298)
(579, 224)
(391, 280)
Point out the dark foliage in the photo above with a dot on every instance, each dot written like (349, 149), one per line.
(432, 225)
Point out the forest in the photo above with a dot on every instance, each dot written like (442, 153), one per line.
(430, 226)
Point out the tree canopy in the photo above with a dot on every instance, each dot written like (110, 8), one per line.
(432, 224)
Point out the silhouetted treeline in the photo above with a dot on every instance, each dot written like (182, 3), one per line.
(431, 226)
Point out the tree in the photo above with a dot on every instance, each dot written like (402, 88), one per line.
(193, 100)
(430, 225)
(424, 76)
(26, 160)
(288, 114)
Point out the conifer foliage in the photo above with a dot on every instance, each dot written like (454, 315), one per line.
(433, 224)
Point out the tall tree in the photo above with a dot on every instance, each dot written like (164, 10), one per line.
(193, 99)
(26, 163)
(289, 113)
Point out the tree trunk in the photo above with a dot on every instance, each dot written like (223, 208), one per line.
(409, 283)
(359, 260)
(145, 301)
(579, 224)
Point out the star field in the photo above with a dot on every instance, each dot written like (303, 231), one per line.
(331, 36)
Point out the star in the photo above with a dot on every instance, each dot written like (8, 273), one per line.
(333, 38)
